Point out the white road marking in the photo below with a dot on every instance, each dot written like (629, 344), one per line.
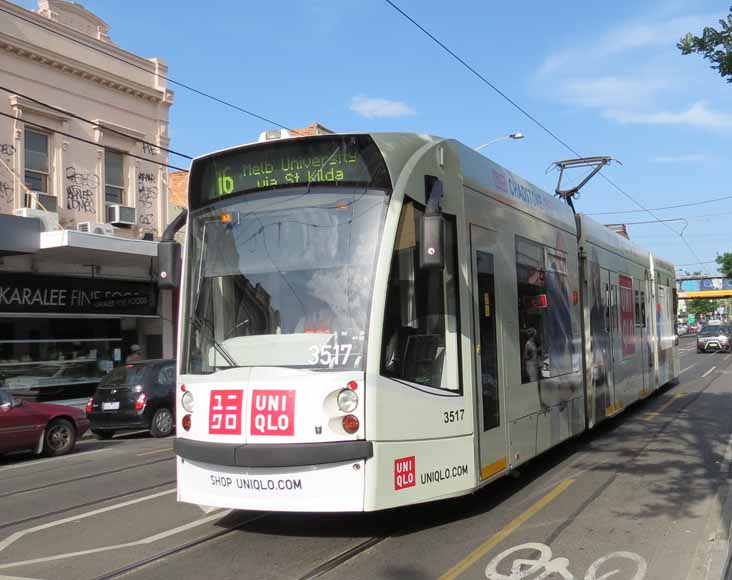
(687, 368)
(148, 540)
(155, 451)
(42, 461)
(12, 538)
(16, 578)
(709, 372)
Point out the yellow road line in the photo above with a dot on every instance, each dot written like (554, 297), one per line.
(155, 451)
(511, 527)
(660, 410)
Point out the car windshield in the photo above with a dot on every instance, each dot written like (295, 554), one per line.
(283, 280)
(125, 375)
(711, 331)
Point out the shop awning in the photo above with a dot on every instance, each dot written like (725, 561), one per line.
(98, 250)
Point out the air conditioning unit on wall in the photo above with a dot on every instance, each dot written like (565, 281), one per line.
(42, 201)
(49, 219)
(95, 228)
(120, 215)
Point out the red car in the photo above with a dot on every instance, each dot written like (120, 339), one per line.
(39, 427)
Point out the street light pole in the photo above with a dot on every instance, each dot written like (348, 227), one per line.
(512, 136)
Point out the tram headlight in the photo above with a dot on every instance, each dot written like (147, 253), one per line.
(347, 401)
(188, 401)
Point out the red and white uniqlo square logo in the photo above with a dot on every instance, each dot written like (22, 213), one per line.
(224, 416)
(405, 473)
(273, 412)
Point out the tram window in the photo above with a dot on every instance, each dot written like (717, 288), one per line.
(643, 308)
(487, 340)
(545, 311)
(637, 309)
(420, 319)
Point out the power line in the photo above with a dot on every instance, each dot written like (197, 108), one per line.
(678, 219)
(70, 136)
(109, 129)
(665, 207)
(142, 68)
(526, 113)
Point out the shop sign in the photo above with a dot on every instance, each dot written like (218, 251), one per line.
(28, 294)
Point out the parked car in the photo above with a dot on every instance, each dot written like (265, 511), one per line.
(714, 338)
(40, 427)
(682, 329)
(139, 395)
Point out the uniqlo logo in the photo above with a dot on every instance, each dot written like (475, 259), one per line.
(224, 417)
(405, 473)
(272, 413)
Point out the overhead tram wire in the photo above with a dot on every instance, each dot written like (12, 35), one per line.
(531, 117)
(70, 136)
(665, 207)
(142, 68)
(80, 118)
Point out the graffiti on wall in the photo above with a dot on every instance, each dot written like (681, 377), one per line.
(149, 149)
(147, 194)
(81, 190)
(7, 151)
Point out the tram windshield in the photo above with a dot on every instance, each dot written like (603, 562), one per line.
(282, 278)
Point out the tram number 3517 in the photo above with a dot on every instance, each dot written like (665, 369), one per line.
(453, 416)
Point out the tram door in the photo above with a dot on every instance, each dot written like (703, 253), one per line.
(603, 340)
(615, 340)
(486, 320)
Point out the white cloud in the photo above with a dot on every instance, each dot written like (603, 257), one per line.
(611, 91)
(371, 107)
(688, 158)
(698, 115)
(627, 37)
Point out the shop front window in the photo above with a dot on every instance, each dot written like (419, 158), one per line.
(57, 358)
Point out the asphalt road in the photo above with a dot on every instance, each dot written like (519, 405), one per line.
(645, 494)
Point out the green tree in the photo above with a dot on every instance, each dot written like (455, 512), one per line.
(699, 306)
(714, 45)
(725, 264)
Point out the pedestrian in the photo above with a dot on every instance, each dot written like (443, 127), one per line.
(135, 353)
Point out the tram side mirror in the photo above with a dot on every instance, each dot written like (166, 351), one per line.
(169, 265)
(432, 254)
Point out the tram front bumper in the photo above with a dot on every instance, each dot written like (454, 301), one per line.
(334, 487)
(283, 477)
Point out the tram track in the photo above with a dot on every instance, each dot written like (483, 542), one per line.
(6, 525)
(136, 565)
(85, 477)
(318, 571)
(337, 561)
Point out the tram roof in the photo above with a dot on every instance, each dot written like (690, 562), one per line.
(478, 171)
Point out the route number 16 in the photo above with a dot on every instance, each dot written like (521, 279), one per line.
(225, 181)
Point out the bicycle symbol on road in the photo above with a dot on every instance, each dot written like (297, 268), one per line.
(525, 568)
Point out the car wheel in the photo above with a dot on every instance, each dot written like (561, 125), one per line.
(103, 433)
(59, 439)
(162, 423)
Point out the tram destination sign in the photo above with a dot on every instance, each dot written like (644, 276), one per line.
(28, 294)
(335, 161)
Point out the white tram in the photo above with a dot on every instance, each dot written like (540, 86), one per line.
(374, 320)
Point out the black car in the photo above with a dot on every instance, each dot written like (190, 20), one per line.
(139, 395)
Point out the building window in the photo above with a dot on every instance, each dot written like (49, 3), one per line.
(544, 311)
(36, 161)
(114, 176)
(420, 339)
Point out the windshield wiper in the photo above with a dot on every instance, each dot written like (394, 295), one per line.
(197, 323)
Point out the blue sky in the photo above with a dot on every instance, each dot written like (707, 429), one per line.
(608, 80)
